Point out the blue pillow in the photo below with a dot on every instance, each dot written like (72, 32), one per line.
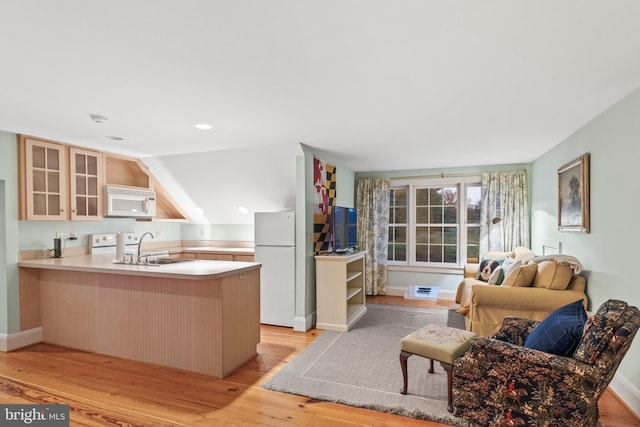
(560, 332)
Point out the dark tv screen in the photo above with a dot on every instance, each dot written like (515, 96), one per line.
(345, 229)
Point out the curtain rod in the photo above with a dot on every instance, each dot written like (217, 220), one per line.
(440, 175)
(451, 175)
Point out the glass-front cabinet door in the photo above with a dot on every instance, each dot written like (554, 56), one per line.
(86, 182)
(46, 180)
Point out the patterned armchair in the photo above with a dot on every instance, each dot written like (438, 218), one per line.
(498, 382)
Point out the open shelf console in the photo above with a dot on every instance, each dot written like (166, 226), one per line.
(340, 293)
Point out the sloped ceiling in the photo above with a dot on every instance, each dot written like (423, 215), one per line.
(379, 85)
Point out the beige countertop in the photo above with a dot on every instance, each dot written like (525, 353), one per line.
(192, 270)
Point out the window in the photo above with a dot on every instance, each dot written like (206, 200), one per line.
(398, 225)
(434, 223)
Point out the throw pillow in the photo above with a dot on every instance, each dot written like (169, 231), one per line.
(521, 276)
(508, 266)
(497, 276)
(553, 275)
(560, 332)
(487, 266)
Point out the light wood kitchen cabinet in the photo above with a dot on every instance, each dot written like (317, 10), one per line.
(86, 184)
(215, 256)
(44, 178)
(63, 182)
(340, 292)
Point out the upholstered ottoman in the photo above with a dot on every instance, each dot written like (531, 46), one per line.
(434, 342)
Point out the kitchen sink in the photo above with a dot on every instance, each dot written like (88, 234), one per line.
(156, 262)
(163, 261)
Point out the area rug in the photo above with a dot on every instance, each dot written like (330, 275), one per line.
(361, 367)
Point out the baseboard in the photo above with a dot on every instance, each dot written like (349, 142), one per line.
(303, 324)
(20, 339)
(398, 291)
(626, 391)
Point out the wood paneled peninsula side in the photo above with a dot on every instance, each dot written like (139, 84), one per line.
(200, 315)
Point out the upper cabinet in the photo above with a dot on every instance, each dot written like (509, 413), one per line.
(62, 182)
(44, 174)
(86, 184)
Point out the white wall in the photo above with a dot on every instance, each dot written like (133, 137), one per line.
(261, 179)
(610, 252)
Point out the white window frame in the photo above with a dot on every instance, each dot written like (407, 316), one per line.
(411, 184)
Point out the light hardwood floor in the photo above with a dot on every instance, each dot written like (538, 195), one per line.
(104, 390)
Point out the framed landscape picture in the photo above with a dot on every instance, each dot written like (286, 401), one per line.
(573, 195)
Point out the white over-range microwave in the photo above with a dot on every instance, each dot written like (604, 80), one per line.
(124, 202)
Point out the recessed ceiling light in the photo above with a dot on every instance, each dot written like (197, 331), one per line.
(114, 138)
(203, 126)
(198, 210)
(243, 210)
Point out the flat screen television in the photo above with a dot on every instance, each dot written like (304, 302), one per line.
(345, 229)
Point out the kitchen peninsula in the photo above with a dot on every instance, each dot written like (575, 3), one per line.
(198, 315)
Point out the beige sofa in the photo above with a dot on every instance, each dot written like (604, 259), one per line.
(484, 306)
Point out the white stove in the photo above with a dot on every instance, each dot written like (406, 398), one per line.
(106, 244)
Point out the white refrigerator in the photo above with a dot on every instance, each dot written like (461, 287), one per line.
(275, 239)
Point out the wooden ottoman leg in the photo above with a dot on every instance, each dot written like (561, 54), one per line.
(431, 366)
(449, 369)
(403, 364)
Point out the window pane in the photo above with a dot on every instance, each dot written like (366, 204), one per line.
(435, 216)
(422, 234)
(399, 197)
(400, 215)
(400, 235)
(436, 197)
(422, 215)
(401, 253)
(450, 254)
(422, 253)
(450, 235)
(435, 253)
(473, 254)
(422, 197)
(450, 196)
(473, 204)
(435, 235)
(473, 235)
(450, 215)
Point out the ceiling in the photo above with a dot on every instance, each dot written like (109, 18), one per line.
(375, 84)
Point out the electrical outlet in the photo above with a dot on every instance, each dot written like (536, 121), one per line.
(59, 235)
(157, 233)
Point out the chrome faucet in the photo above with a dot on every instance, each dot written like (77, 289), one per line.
(140, 242)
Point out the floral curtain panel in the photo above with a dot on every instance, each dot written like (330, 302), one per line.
(504, 218)
(373, 223)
